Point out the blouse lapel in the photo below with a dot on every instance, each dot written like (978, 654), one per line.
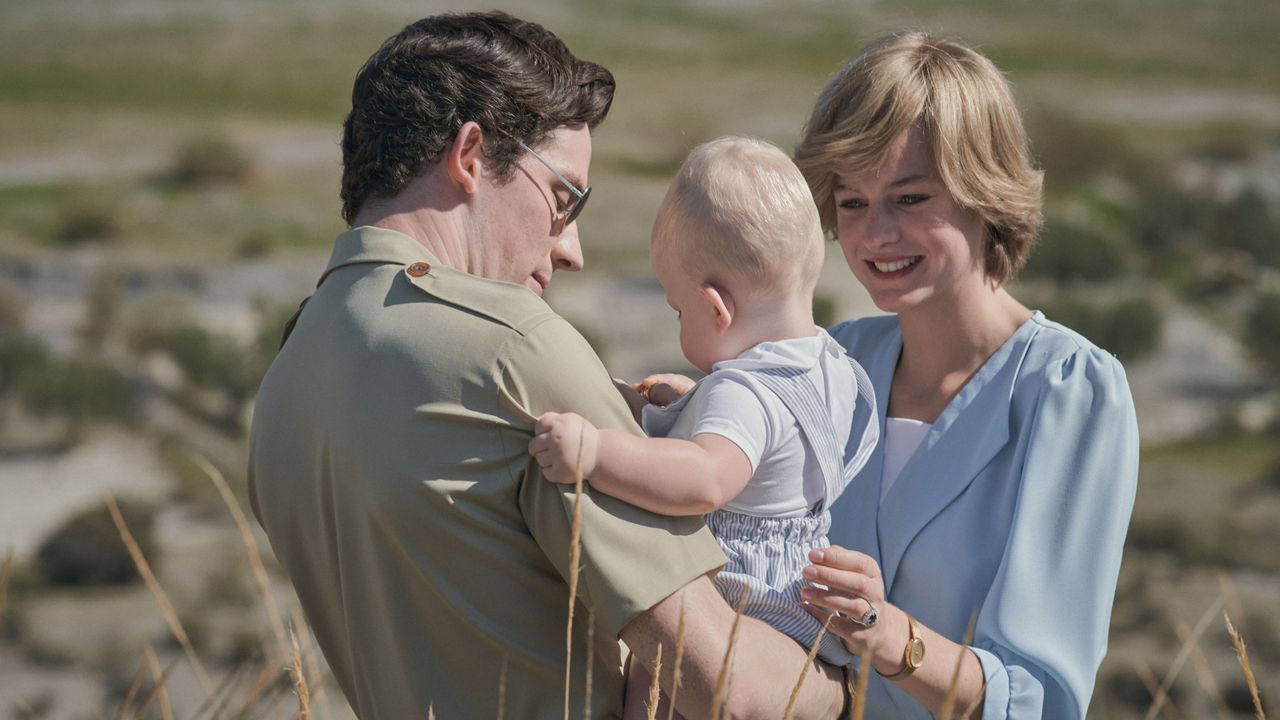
(972, 428)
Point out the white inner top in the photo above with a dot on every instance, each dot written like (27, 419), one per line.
(901, 438)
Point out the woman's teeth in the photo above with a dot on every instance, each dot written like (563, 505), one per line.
(887, 267)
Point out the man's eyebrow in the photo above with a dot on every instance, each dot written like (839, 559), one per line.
(574, 180)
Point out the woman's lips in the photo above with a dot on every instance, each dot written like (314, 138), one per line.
(894, 267)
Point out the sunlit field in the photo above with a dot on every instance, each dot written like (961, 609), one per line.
(169, 193)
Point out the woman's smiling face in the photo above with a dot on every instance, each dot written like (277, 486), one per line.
(904, 237)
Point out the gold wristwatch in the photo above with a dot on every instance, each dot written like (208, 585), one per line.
(912, 654)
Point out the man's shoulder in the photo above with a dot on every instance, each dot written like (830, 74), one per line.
(504, 304)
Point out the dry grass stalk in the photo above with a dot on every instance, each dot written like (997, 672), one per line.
(575, 557)
(718, 698)
(309, 660)
(6, 571)
(166, 608)
(860, 693)
(804, 669)
(1159, 694)
(431, 711)
(1184, 653)
(591, 661)
(675, 669)
(157, 691)
(1243, 656)
(159, 678)
(655, 689)
(502, 685)
(726, 711)
(132, 692)
(1203, 672)
(264, 688)
(260, 578)
(299, 680)
(953, 690)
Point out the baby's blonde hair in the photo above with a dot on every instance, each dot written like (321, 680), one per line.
(740, 209)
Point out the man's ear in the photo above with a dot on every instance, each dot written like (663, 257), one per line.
(463, 160)
(721, 302)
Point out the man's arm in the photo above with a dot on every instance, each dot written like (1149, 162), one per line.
(662, 475)
(765, 663)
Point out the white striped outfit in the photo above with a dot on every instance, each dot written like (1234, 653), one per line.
(790, 406)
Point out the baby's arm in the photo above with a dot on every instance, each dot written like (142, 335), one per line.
(662, 475)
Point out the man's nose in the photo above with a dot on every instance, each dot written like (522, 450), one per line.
(566, 254)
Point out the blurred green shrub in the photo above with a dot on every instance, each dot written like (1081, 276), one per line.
(1262, 332)
(1069, 252)
(12, 308)
(1245, 223)
(207, 359)
(78, 389)
(87, 549)
(1131, 328)
(208, 161)
(86, 222)
(20, 356)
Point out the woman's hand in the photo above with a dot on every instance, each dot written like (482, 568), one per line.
(864, 620)
(664, 388)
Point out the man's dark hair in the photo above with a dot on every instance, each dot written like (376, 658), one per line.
(514, 78)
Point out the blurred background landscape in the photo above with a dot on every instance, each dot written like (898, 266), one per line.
(168, 194)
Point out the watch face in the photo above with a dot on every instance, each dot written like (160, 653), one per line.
(916, 654)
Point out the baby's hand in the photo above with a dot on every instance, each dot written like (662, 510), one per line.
(664, 388)
(557, 440)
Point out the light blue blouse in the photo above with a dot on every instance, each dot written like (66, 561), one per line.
(1014, 509)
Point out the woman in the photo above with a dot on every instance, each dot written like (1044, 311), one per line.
(1004, 485)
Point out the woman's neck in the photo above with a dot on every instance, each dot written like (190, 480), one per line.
(945, 342)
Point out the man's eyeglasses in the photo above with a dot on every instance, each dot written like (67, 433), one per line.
(568, 215)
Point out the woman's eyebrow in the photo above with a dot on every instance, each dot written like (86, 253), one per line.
(908, 180)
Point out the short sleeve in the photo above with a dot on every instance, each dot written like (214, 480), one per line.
(728, 407)
(1042, 632)
(631, 558)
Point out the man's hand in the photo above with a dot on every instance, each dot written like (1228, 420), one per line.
(558, 438)
(664, 388)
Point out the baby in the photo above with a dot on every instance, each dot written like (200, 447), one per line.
(758, 446)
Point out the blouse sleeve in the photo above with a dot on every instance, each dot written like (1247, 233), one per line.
(1042, 631)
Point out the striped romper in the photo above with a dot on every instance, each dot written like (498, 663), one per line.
(806, 389)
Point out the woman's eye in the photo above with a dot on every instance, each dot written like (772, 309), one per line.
(912, 199)
(852, 203)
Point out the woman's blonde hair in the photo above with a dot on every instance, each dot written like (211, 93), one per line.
(966, 110)
(739, 208)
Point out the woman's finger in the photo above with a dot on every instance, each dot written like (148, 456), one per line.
(855, 609)
(851, 583)
(845, 559)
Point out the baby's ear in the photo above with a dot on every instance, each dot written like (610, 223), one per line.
(721, 303)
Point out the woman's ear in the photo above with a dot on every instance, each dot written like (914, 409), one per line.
(464, 156)
(721, 303)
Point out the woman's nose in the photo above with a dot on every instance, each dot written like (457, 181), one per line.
(882, 225)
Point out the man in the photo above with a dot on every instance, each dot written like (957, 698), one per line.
(388, 461)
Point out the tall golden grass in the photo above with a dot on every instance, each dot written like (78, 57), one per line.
(257, 689)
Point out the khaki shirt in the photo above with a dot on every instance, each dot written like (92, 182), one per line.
(389, 468)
